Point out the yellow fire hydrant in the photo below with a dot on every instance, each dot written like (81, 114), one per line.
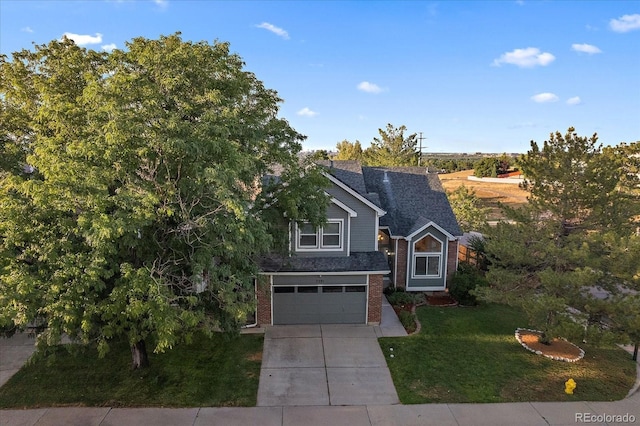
(569, 386)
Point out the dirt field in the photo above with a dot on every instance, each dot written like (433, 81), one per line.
(490, 193)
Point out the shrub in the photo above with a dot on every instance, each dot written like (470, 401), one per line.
(400, 297)
(466, 279)
(408, 320)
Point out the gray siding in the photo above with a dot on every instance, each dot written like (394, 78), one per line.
(363, 227)
(421, 283)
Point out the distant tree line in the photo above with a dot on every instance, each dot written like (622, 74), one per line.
(393, 148)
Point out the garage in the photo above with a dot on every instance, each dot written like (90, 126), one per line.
(333, 301)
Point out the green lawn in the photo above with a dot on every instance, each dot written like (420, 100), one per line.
(471, 355)
(221, 371)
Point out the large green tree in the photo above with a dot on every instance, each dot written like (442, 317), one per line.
(132, 194)
(392, 148)
(566, 245)
(348, 151)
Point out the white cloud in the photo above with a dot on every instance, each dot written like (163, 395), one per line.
(625, 23)
(365, 86)
(26, 29)
(306, 112)
(162, 3)
(109, 47)
(82, 40)
(276, 30)
(545, 97)
(586, 48)
(525, 58)
(574, 101)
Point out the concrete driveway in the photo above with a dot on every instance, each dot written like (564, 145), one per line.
(324, 365)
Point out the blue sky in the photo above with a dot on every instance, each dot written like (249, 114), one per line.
(471, 75)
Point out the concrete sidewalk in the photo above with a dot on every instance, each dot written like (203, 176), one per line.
(525, 413)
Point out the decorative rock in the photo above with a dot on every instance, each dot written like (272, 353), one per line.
(555, 358)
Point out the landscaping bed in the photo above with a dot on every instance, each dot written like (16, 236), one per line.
(217, 371)
(557, 349)
(441, 300)
(471, 355)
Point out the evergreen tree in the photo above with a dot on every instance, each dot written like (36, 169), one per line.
(466, 206)
(576, 236)
(392, 148)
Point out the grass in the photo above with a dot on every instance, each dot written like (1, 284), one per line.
(491, 195)
(471, 355)
(221, 371)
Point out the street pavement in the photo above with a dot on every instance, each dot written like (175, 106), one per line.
(346, 409)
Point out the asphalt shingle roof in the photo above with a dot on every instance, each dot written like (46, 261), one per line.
(411, 197)
(356, 261)
(348, 171)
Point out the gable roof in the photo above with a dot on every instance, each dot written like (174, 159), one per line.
(348, 171)
(412, 198)
(347, 174)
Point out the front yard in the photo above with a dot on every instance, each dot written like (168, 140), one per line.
(471, 355)
(460, 355)
(220, 371)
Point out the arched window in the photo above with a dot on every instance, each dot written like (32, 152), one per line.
(427, 257)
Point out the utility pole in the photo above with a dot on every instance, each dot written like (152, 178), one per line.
(420, 138)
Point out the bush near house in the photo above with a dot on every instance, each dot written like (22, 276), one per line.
(399, 297)
(408, 321)
(466, 279)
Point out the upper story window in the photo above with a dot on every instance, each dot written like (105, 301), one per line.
(427, 257)
(327, 237)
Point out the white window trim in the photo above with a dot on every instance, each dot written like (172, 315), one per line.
(426, 254)
(319, 233)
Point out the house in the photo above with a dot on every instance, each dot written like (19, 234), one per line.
(385, 226)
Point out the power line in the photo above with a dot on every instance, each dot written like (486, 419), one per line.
(420, 139)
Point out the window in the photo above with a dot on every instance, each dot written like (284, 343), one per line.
(328, 237)
(427, 256)
(308, 236)
(331, 235)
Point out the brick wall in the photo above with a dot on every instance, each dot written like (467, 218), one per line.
(452, 260)
(401, 258)
(264, 300)
(375, 299)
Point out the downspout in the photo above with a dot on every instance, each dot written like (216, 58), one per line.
(395, 269)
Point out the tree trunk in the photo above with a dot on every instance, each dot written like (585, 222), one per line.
(139, 355)
(635, 351)
(544, 338)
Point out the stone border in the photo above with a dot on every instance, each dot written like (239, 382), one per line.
(555, 358)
